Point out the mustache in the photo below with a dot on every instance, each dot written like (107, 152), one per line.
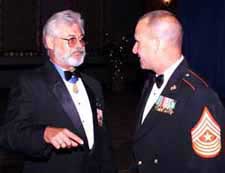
(81, 51)
(78, 50)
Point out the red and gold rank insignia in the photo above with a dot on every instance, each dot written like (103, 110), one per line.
(206, 136)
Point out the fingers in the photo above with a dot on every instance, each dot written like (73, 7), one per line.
(73, 137)
(55, 144)
(61, 138)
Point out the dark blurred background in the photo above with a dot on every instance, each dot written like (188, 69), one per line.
(109, 26)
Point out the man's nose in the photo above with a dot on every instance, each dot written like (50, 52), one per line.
(134, 50)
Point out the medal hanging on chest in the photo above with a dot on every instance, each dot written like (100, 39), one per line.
(75, 88)
(72, 77)
(74, 81)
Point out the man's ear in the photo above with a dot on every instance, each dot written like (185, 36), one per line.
(49, 42)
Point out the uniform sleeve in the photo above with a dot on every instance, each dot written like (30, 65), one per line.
(207, 133)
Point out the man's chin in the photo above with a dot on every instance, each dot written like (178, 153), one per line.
(142, 66)
(76, 61)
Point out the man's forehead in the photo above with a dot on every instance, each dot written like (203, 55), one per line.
(69, 29)
(142, 28)
(143, 24)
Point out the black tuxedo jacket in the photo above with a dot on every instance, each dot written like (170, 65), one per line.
(39, 99)
(167, 141)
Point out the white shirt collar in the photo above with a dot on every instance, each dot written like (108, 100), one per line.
(169, 71)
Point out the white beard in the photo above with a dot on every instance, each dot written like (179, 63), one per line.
(74, 62)
(70, 60)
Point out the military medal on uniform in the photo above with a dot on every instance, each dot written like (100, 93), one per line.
(165, 105)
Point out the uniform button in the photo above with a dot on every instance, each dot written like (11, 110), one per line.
(156, 161)
(187, 74)
(139, 162)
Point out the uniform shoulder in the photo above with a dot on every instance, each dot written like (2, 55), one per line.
(193, 80)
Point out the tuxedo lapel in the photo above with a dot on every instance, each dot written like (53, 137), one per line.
(154, 117)
(60, 91)
(58, 88)
(91, 98)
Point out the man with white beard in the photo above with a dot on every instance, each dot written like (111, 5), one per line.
(55, 113)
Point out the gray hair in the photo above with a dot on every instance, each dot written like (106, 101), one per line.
(67, 17)
(165, 26)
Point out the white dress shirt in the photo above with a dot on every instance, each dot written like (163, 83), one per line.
(155, 92)
(81, 101)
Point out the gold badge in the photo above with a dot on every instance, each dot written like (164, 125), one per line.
(75, 88)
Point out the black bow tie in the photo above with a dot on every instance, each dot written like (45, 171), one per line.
(159, 80)
(69, 74)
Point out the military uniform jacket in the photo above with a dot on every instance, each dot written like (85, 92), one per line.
(184, 130)
(39, 99)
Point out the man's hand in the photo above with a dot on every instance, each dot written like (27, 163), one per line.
(61, 138)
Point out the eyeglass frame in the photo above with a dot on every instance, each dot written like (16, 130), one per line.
(81, 40)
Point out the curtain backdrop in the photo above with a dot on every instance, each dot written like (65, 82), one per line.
(204, 39)
(49, 7)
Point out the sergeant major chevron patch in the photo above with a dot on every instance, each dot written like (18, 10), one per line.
(206, 136)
